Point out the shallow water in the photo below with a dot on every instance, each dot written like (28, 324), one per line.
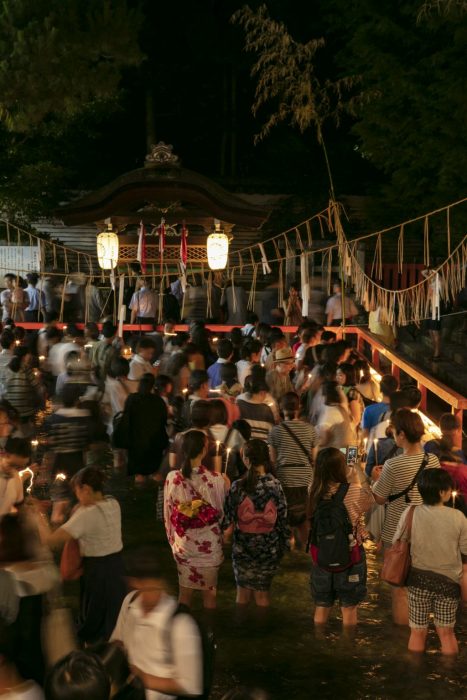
(285, 655)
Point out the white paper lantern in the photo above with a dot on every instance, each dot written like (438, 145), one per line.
(107, 250)
(218, 247)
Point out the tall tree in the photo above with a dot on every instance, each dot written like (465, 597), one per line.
(61, 65)
(288, 79)
(55, 56)
(410, 120)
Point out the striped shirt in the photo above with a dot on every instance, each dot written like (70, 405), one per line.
(22, 391)
(397, 474)
(258, 416)
(68, 430)
(293, 469)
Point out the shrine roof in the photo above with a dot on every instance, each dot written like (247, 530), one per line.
(163, 188)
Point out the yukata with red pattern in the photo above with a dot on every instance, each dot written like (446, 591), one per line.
(196, 541)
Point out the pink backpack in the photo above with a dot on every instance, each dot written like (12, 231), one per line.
(256, 522)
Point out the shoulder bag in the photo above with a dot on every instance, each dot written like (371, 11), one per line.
(397, 560)
(407, 490)
(297, 441)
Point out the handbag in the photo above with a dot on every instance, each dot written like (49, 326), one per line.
(71, 561)
(397, 558)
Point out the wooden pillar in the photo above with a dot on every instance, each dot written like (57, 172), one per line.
(423, 401)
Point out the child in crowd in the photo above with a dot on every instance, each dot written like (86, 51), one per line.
(438, 540)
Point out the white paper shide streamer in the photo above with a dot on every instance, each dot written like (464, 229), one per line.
(305, 283)
(435, 297)
(264, 261)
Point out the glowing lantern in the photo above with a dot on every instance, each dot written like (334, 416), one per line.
(107, 249)
(218, 248)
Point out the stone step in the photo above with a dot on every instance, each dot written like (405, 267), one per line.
(448, 371)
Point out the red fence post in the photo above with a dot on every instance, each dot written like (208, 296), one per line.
(457, 436)
(375, 358)
(423, 393)
(396, 371)
(360, 343)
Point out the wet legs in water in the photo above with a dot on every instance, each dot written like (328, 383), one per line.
(209, 597)
(400, 606)
(349, 615)
(449, 646)
(262, 598)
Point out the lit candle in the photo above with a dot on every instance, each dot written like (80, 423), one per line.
(215, 339)
(365, 443)
(41, 358)
(60, 477)
(17, 342)
(218, 444)
(34, 446)
(229, 450)
(65, 328)
(454, 494)
(29, 473)
(375, 447)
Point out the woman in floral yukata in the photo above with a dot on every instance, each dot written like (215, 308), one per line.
(193, 508)
(256, 510)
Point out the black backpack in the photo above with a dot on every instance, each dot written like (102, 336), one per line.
(332, 531)
(208, 645)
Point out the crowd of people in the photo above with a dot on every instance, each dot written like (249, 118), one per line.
(257, 440)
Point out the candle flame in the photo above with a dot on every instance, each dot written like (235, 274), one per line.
(60, 477)
(29, 473)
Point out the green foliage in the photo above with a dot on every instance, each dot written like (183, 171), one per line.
(412, 111)
(286, 75)
(57, 56)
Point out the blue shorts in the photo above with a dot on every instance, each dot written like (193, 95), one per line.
(348, 587)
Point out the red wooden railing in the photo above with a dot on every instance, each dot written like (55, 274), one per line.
(425, 382)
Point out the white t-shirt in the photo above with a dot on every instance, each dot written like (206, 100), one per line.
(243, 370)
(11, 492)
(329, 416)
(98, 528)
(57, 356)
(177, 654)
(138, 367)
(5, 301)
(27, 690)
(438, 538)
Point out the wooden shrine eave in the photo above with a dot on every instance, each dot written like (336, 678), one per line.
(173, 192)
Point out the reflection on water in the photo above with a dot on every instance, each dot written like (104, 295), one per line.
(284, 653)
(290, 658)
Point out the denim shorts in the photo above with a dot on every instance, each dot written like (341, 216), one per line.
(348, 587)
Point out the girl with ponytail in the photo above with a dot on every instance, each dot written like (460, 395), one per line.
(193, 507)
(256, 511)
